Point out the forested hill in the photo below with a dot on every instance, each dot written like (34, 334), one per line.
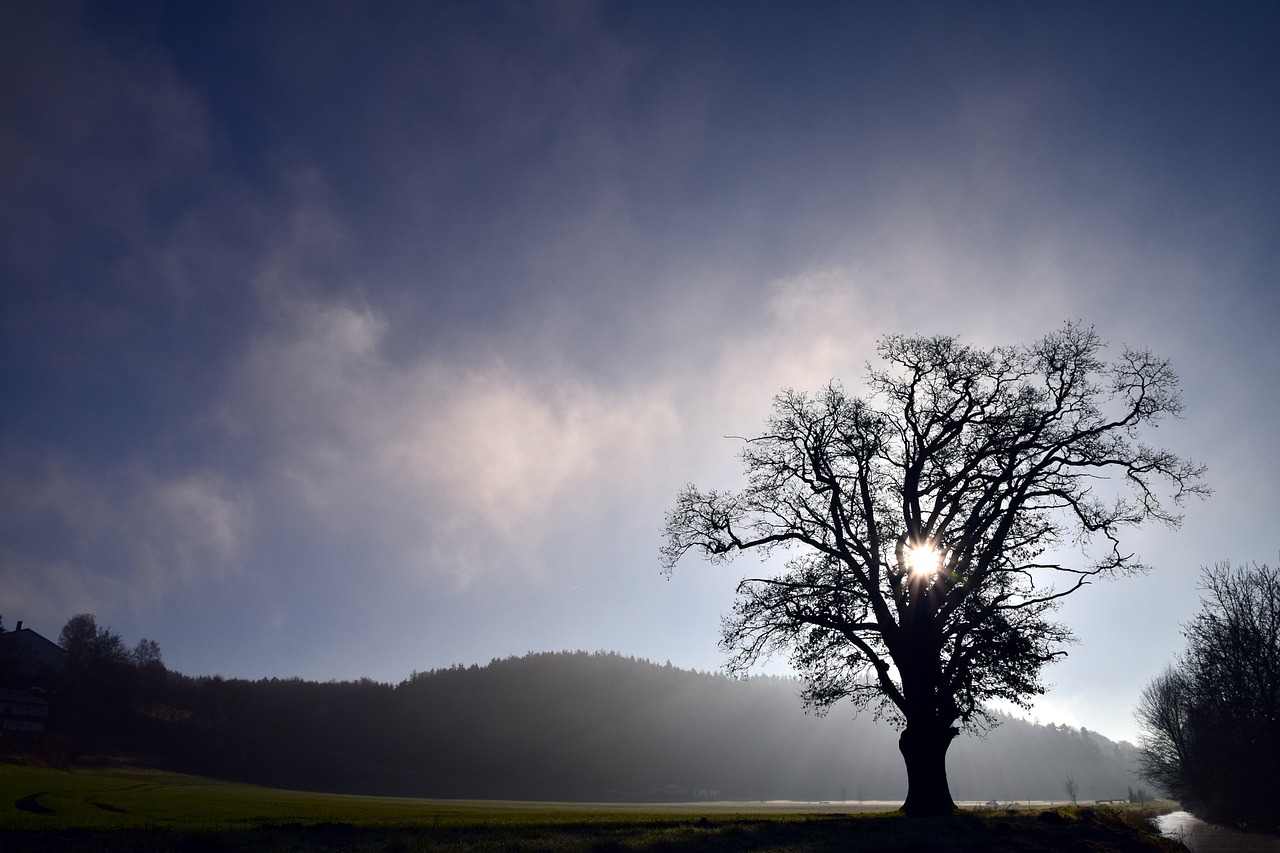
(589, 727)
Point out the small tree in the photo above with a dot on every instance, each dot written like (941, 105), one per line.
(1211, 724)
(146, 654)
(1071, 789)
(920, 519)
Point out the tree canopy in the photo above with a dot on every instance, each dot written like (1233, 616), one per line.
(927, 522)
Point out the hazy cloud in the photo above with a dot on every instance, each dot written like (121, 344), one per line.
(135, 536)
(456, 468)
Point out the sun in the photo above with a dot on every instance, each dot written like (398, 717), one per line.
(923, 560)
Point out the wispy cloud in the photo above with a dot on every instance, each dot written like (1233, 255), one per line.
(457, 471)
(135, 536)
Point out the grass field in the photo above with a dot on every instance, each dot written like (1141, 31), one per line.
(114, 810)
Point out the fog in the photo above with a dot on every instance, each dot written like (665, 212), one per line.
(594, 727)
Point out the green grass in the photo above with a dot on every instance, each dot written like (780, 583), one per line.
(130, 799)
(43, 809)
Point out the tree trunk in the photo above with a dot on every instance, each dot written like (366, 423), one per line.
(924, 748)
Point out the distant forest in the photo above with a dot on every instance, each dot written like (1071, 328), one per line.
(551, 726)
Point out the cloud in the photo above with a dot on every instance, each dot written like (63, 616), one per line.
(114, 537)
(452, 470)
(191, 526)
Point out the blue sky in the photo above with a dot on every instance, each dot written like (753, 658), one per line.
(343, 340)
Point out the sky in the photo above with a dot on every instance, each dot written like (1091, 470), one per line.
(345, 340)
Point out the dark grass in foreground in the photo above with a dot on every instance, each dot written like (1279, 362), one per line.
(117, 811)
(870, 832)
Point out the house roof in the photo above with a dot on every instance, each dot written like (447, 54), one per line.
(25, 639)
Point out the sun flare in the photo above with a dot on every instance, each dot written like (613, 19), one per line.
(923, 560)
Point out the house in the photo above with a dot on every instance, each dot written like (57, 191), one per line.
(22, 712)
(28, 659)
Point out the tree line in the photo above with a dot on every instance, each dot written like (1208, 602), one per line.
(568, 726)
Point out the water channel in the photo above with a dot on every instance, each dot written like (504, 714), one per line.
(1201, 837)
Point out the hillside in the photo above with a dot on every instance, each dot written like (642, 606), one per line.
(584, 726)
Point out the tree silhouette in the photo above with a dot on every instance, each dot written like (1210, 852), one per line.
(1211, 725)
(96, 693)
(924, 521)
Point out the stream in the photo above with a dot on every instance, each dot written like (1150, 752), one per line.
(1201, 837)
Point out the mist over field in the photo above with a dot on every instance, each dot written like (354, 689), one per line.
(592, 727)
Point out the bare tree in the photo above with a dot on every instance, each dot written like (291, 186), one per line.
(1165, 757)
(1071, 789)
(923, 522)
(1211, 724)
